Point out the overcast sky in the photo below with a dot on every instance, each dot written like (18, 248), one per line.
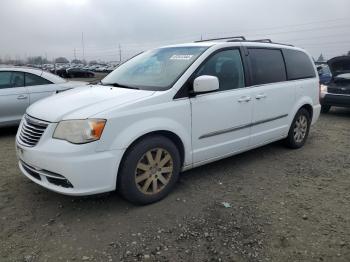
(54, 28)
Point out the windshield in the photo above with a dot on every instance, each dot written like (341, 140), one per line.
(324, 70)
(154, 70)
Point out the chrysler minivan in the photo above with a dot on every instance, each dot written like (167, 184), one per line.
(168, 110)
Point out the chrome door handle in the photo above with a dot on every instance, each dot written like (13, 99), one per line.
(20, 97)
(244, 99)
(260, 96)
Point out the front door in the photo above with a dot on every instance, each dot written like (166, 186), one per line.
(14, 98)
(221, 119)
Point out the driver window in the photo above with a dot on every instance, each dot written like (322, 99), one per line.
(227, 67)
(5, 80)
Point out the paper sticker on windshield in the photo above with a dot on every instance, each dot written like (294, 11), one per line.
(181, 57)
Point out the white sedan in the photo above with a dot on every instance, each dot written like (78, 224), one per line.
(20, 87)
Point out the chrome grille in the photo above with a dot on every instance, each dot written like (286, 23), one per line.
(32, 130)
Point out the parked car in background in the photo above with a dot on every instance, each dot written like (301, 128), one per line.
(79, 72)
(20, 87)
(324, 73)
(167, 110)
(62, 72)
(337, 91)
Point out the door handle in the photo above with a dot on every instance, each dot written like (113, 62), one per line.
(20, 97)
(244, 99)
(260, 96)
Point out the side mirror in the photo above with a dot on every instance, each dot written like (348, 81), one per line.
(205, 84)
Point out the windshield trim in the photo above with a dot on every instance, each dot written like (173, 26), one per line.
(165, 88)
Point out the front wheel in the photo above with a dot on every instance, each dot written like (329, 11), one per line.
(325, 109)
(149, 170)
(299, 130)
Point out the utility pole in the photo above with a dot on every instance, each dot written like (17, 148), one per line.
(83, 44)
(120, 53)
(75, 54)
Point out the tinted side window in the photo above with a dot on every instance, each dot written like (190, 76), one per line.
(298, 65)
(227, 67)
(34, 80)
(267, 66)
(5, 80)
(17, 79)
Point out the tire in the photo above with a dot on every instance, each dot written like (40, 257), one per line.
(325, 109)
(299, 129)
(137, 173)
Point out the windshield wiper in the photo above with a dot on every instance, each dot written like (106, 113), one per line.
(119, 85)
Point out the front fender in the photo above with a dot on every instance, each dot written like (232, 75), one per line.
(174, 117)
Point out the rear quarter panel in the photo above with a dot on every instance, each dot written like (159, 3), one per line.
(307, 93)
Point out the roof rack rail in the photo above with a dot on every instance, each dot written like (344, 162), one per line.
(242, 39)
(282, 44)
(267, 41)
(222, 38)
(262, 40)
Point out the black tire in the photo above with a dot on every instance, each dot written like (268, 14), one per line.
(127, 185)
(291, 141)
(325, 109)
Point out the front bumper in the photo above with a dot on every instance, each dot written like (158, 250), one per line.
(340, 100)
(67, 168)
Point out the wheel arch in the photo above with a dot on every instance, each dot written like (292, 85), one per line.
(165, 133)
(309, 109)
(304, 102)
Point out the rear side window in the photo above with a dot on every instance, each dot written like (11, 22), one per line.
(298, 64)
(17, 79)
(267, 66)
(34, 80)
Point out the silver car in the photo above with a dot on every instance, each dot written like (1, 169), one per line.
(21, 87)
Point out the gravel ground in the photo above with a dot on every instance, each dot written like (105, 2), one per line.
(283, 205)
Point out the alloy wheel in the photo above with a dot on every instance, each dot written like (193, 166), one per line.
(300, 128)
(153, 171)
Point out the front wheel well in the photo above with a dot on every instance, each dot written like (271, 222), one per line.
(168, 134)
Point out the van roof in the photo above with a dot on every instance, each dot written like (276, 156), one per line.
(239, 40)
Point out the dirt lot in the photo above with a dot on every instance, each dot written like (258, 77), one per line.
(286, 205)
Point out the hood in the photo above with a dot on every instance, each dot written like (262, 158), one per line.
(83, 102)
(339, 65)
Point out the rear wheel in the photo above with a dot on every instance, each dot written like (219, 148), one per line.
(325, 108)
(299, 129)
(149, 170)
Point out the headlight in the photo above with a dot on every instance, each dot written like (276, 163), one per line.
(324, 88)
(80, 131)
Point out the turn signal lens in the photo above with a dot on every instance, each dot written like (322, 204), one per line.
(97, 128)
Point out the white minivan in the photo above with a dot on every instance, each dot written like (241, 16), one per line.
(167, 110)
